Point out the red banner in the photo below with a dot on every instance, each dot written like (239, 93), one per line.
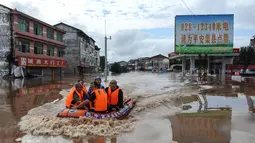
(236, 50)
(24, 61)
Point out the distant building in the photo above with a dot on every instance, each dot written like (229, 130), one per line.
(123, 63)
(81, 51)
(157, 62)
(143, 63)
(31, 43)
(136, 64)
(131, 64)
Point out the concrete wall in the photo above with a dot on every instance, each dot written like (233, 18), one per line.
(72, 51)
(5, 32)
(157, 62)
(78, 49)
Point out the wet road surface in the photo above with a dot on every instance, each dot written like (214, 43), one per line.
(158, 116)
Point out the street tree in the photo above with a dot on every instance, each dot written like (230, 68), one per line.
(247, 56)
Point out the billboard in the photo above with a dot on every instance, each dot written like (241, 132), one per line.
(212, 34)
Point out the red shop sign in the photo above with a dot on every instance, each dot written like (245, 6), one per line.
(172, 54)
(236, 50)
(24, 61)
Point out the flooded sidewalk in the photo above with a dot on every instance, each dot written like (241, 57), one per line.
(165, 112)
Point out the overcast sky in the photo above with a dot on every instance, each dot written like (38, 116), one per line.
(138, 27)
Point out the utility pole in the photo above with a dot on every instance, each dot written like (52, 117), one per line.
(105, 66)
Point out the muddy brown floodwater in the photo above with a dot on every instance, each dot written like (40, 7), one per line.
(165, 112)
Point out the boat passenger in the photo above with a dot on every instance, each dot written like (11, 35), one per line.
(98, 98)
(114, 96)
(84, 89)
(98, 80)
(75, 98)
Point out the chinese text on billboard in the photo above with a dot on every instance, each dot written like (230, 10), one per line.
(204, 34)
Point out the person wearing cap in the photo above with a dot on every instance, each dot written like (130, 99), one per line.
(97, 98)
(98, 80)
(75, 98)
(114, 96)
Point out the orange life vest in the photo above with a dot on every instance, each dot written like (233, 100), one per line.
(100, 103)
(69, 97)
(113, 97)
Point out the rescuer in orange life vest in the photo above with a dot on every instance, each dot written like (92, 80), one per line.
(75, 98)
(115, 96)
(84, 89)
(98, 99)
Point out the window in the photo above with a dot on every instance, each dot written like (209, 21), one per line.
(25, 46)
(50, 33)
(60, 52)
(50, 50)
(23, 25)
(59, 37)
(38, 29)
(38, 49)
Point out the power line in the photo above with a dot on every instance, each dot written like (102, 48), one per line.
(188, 7)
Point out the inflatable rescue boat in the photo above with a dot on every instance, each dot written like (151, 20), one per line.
(121, 114)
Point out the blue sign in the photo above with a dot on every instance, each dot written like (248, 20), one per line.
(196, 34)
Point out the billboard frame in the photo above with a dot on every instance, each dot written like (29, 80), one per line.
(175, 29)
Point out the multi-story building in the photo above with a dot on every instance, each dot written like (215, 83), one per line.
(34, 44)
(5, 36)
(131, 64)
(81, 51)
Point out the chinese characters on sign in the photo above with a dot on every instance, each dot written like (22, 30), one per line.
(214, 26)
(205, 38)
(204, 33)
(24, 61)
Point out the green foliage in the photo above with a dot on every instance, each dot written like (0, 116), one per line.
(247, 56)
(116, 68)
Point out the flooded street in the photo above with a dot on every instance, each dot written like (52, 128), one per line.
(165, 112)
